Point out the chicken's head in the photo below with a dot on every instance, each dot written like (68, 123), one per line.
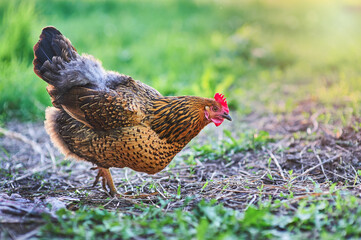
(218, 111)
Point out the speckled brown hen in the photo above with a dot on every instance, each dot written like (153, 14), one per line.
(110, 119)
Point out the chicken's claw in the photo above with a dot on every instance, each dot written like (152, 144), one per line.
(107, 180)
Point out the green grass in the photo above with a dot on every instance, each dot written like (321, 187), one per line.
(226, 148)
(297, 50)
(22, 95)
(336, 216)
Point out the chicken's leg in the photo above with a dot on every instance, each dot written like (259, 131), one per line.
(106, 176)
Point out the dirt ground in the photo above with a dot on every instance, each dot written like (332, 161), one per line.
(34, 175)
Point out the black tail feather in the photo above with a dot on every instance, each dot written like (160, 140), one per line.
(45, 49)
(57, 62)
(50, 44)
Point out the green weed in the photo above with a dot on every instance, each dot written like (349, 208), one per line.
(248, 140)
(319, 218)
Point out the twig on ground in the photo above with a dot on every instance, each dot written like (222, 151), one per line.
(111, 200)
(301, 157)
(315, 194)
(343, 149)
(356, 175)
(277, 164)
(3, 229)
(33, 171)
(127, 179)
(320, 161)
(251, 202)
(52, 155)
(160, 185)
(11, 134)
(312, 168)
(314, 121)
(28, 235)
(337, 175)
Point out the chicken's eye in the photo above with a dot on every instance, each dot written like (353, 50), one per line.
(215, 108)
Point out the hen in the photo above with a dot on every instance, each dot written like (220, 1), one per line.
(110, 119)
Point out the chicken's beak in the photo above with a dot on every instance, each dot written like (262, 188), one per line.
(226, 116)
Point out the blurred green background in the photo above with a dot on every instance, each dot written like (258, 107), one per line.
(264, 55)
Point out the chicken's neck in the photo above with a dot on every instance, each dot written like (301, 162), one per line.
(178, 119)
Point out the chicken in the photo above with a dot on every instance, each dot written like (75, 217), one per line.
(111, 120)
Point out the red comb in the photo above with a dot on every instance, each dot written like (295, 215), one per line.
(222, 100)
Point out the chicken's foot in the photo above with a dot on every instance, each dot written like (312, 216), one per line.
(107, 180)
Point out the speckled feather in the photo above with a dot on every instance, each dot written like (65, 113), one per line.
(110, 119)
